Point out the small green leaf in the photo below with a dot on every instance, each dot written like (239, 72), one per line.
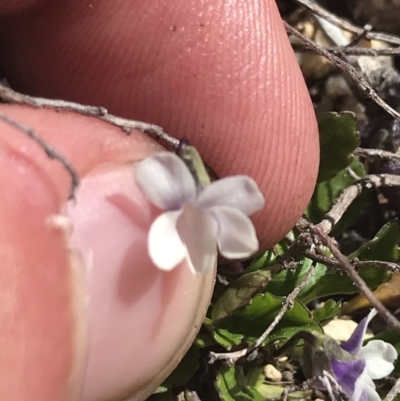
(194, 162)
(338, 139)
(239, 293)
(249, 322)
(335, 282)
(327, 312)
(231, 385)
(384, 246)
(326, 194)
(286, 281)
(185, 370)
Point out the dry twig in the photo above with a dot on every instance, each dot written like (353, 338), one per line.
(50, 151)
(8, 95)
(232, 357)
(357, 280)
(341, 23)
(357, 78)
(393, 392)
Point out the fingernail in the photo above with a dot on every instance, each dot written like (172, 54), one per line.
(141, 320)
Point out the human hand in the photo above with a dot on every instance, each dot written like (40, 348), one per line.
(221, 74)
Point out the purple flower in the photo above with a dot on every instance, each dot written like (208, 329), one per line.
(371, 362)
(353, 366)
(197, 222)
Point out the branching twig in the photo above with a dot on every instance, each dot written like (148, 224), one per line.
(50, 151)
(357, 280)
(352, 50)
(358, 79)
(8, 95)
(232, 357)
(350, 194)
(322, 12)
(357, 264)
(383, 154)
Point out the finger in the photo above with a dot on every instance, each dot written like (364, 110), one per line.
(220, 73)
(81, 306)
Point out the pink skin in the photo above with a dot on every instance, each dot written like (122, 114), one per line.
(231, 86)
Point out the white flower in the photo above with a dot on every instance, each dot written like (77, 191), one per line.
(194, 224)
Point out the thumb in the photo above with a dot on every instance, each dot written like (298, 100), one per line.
(83, 310)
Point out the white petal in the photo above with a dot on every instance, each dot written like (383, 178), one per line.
(198, 231)
(240, 192)
(165, 246)
(236, 234)
(365, 389)
(166, 181)
(379, 357)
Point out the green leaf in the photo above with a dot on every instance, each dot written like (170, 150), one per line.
(185, 370)
(249, 322)
(268, 258)
(338, 139)
(327, 312)
(231, 385)
(335, 282)
(286, 281)
(326, 193)
(239, 293)
(384, 246)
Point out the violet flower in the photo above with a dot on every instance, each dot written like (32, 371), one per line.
(354, 367)
(197, 221)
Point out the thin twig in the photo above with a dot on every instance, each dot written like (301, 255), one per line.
(357, 264)
(350, 194)
(8, 95)
(383, 154)
(357, 280)
(232, 357)
(358, 78)
(341, 23)
(393, 392)
(49, 150)
(351, 51)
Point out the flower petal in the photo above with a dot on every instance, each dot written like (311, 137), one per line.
(165, 246)
(240, 192)
(354, 343)
(236, 234)
(379, 357)
(166, 181)
(347, 374)
(198, 230)
(365, 389)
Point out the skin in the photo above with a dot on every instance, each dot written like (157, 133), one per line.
(221, 74)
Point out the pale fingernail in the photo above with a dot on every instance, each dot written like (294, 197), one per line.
(141, 320)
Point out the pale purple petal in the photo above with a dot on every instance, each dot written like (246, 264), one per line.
(365, 389)
(165, 246)
(379, 357)
(240, 192)
(237, 237)
(166, 181)
(347, 373)
(198, 231)
(354, 343)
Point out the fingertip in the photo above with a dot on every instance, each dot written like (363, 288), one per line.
(9, 7)
(94, 309)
